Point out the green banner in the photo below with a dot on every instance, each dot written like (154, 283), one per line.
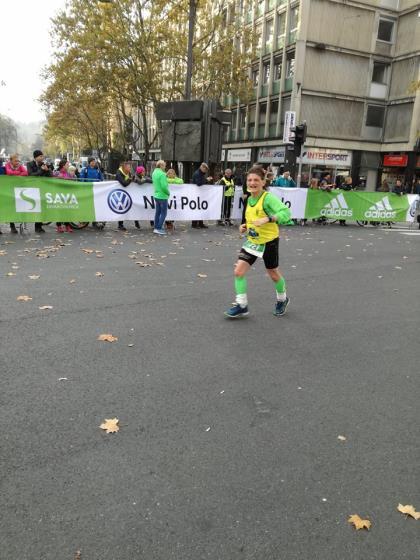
(354, 205)
(40, 199)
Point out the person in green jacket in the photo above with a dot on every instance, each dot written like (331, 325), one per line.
(161, 195)
(172, 180)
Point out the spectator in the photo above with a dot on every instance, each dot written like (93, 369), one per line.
(172, 180)
(384, 186)
(72, 172)
(141, 179)
(161, 195)
(228, 184)
(326, 183)
(416, 187)
(285, 181)
(346, 185)
(314, 183)
(124, 177)
(63, 173)
(37, 168)
(15, 168)
(91, 172)
(201, 178)
(399, 188)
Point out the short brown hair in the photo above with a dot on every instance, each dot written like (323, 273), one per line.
(257, 170)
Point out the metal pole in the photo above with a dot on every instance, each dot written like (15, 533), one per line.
(191, 27)
(300, 167)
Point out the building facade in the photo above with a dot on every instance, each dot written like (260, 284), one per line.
(347, 68)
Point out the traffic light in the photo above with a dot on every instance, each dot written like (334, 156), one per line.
(300, 137)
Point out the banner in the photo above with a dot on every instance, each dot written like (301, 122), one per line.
(355, 205)
(294, 199)
(136, 202)
(37, 199)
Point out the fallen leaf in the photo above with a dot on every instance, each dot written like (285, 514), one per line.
(34, 276)
(45, 307)
(130, 345)
(23, 298)
(342, 438)
(3, 253)
(72, 281)
(110, 425)
(202, 275)
(15, 268)
(11, 274)
(107, 338)
(409, 510)
(359, 523)
(78, 555)
(99, 274)
(88, 251)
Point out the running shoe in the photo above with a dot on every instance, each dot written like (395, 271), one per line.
(280, 307)
(159, 232)
(237, 311)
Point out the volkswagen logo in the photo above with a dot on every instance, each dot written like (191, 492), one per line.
(119, 201)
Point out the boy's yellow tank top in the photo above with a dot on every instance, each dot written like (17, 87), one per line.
(260, 234)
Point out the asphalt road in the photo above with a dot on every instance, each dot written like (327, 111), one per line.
(228, 446)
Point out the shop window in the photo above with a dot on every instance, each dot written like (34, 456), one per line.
(375, 116)
(380, 73)
(266, 73)
(386, 30)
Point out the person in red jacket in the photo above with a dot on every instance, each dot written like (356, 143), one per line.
(15, 167)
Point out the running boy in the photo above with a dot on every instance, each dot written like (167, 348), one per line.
(264, 212)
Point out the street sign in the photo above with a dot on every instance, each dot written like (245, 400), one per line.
(289, 122)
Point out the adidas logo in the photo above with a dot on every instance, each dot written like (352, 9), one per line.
(337, 208)
(381, 209)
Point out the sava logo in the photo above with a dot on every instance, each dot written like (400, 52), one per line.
(381, 209)
(27, 199)
(61, 200)
(119, 201)
(337, 208)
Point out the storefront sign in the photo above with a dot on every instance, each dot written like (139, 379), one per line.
(239, 155)
(271, 155)
(395, 160)
(326, 156)
(289, 122)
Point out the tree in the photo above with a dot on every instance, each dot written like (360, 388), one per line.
(131, 54)
(8, 135)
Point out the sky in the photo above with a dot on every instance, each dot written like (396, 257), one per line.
(25, 47)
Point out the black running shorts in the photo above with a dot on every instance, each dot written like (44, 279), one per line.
(270, 257)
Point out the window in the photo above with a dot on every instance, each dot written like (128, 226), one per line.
(380, 73)
(294, 18)
(281, 24)
(290, 68)
(375, 116)
(266, 73)
(386, 30)
(255, 77)
(274, 107)
(242, 116)
(269, 31)
(263, 111)
(277, 70)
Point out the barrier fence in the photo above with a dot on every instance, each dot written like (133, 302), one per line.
(36, 199)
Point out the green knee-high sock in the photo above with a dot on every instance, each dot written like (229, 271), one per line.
(240, 289)
(281, 289)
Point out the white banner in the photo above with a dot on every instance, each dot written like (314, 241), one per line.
(289, 122)
(136, 202)
(295, 199)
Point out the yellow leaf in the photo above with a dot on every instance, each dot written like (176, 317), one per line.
(11, 274)
(409, 510)
(45, 307)
(24, 298)
(110, 425)
(107, 338)
(359, 523)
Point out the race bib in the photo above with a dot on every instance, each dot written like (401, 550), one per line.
(254, 248)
